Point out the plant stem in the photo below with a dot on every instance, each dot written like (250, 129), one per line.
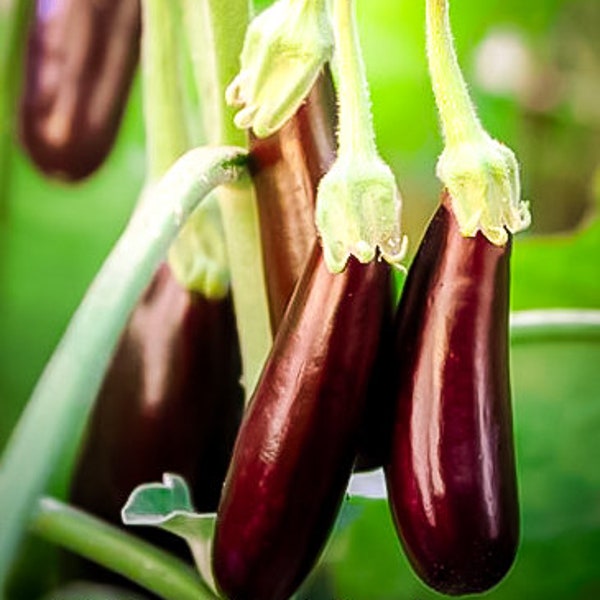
(216, 34)
(57, 411)
(15, 17)
(164, 110)
(457, 113)
(356, 132)
(531, 326)
(143, 563)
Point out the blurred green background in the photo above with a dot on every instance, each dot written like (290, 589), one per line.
(534, 72)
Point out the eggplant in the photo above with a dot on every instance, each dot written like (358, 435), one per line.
(170, 401)
(451, 475)
(297, 443)
(79, 63)
(286, 168)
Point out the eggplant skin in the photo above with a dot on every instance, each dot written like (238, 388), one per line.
(79, 63)
(451, 477)
(286, 168)
(296, 446)
(170, 401)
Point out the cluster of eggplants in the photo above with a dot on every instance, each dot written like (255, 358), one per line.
(170, 401)
(451, 471)
(79, 63)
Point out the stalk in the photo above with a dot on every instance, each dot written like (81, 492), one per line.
(58, 409)
(120, 552)
(216, 33)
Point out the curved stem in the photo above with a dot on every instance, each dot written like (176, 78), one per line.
(356, 133)
(531, 326)
(457, 113)
(117, 550)
(57, 411)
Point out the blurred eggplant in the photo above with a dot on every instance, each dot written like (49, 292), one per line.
(171, 401)
(297, 443)
(451, 477)
(286, 168)
(80, 60)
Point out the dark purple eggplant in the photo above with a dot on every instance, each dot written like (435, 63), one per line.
(451, 477)
(170, 401)
(297, 443)
(286, 168)
(79, 64)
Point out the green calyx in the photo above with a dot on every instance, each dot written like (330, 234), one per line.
(358, 212)
(482, 178)
(198, 257)
(284, 50)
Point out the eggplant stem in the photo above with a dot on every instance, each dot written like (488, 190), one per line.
(123, 553)
(530, 326)
(57, 411)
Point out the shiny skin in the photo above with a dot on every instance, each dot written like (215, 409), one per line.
(79, 63)
(451, 477)
(295, 449)
(286, 168)
(170, 401)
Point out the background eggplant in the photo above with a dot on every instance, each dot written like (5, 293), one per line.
(80, 60)
(451, 477)
(286, 168)
(171, 401)
(295, 449)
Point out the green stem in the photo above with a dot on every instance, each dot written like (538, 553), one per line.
(164, 109)
(57, 411)
(356, 132)
(143, 563)
(457, 113)
(559, 324)
(216, 34)
(14, 18)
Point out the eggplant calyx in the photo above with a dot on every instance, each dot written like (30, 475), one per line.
(285, 48)
(198, 256)
(482, 178)
(358, 213)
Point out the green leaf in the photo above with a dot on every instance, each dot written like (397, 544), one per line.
(168, 506)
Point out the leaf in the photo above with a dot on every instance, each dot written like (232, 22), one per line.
(168, 506)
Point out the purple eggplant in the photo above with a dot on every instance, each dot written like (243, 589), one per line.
(451, 476)
(286, 168)
(297, 443)
(171, 401)
(80, 60)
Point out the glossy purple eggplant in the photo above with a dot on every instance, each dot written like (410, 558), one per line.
(451, 477)
(79, 64)
(171, 401)
(286, 168)
(297, 443)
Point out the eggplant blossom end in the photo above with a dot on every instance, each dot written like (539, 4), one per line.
(482, 179)
(285, 48)
(358, 214)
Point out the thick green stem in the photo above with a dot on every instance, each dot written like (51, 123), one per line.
(143, 563)
(532, 326)
(356, 133)
(57, 411)
(164, 109)
(216, 35)
(14, 18)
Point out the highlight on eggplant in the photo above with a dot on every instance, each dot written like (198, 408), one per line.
(171, 401)
(297, 443)
(451, 475)
(286, 168)
(79, 63)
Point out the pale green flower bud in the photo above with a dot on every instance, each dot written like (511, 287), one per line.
(482, 178)
(285, 48)
(358, 212)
